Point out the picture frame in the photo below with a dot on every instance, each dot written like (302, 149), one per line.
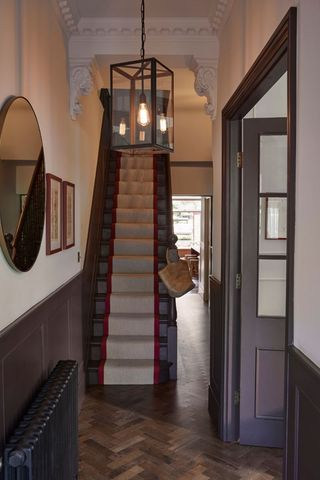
(53, 214)
(276, 218)
(68, 214)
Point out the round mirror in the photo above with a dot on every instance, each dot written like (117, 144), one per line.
(22, 183)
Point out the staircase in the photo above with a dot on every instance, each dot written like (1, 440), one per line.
(133, 319)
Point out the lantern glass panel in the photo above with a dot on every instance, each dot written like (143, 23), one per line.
(128, 81)
(164, 107)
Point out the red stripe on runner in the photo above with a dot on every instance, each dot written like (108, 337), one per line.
(101, 372)
(156, 370)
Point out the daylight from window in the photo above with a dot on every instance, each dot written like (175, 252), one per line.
(187, 221)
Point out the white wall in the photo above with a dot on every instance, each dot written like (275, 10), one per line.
(33, 63)
(246, 32)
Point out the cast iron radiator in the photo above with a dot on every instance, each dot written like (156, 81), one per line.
(44, 445)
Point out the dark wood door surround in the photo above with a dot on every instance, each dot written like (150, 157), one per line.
(278, 57)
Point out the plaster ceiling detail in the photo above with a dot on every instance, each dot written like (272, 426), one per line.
(81, 83)
(187, 37)
(219, 14)
(205, 84)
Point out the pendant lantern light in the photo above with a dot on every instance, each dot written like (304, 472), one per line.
(142, 103)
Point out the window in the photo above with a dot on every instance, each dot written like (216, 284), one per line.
(187, 221)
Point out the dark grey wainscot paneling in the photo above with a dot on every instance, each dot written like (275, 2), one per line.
(31, 346)
(215, 349)
(303, 457)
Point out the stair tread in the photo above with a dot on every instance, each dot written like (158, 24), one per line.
(94, 364)
(129, 274)
(102, 296)
(128, 338)
(99, 317)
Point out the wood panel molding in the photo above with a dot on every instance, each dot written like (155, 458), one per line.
(31, 346)
(303, 460)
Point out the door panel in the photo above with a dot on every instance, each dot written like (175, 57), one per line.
(263, 292)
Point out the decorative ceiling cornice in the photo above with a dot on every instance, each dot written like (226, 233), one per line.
(219, 14)
(184, 37)
(67, 16)
(155, 26)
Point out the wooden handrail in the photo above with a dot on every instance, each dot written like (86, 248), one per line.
(91, 261)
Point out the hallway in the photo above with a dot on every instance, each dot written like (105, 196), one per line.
(164, 431)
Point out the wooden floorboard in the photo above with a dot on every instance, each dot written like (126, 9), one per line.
(164, 431)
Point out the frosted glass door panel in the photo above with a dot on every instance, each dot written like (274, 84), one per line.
(273, 163)
(267, 245)
(272, 288)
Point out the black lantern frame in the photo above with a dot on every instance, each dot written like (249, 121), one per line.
(130, 82)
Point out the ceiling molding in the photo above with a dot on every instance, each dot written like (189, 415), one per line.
(219, 15)
(154, 26)
(69, 21)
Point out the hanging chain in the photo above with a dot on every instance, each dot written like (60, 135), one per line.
(143, 31)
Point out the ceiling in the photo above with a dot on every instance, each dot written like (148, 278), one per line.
(153, 8)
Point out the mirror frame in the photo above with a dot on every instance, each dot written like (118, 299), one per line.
(3, 114)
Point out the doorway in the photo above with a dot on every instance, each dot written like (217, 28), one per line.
(277, 59)
(192, 225)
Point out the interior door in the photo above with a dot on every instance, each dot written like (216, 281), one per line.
(263, 289)
(205, 244)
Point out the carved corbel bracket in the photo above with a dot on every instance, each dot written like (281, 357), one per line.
(205, 84)
(81, 83)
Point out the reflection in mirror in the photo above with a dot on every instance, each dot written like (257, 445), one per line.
(22, 183)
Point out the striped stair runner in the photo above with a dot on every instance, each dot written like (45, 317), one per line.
(130, 344)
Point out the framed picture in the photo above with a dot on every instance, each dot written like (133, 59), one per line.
(53, 214)
(68, 215)
(276, 218)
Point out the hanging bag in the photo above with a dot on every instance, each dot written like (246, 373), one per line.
(176, 275)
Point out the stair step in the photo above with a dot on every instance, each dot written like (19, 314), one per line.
(138, 322)
(136, 189)
(93, 367)
(133, 217)
(136, 201)
(128, 347)
(135, 246)
(103, 267)
(127, 303)
(135, 284)
(136, 232)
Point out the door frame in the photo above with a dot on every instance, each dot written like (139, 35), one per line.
(277, 57)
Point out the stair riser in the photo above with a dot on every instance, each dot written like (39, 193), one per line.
(104, 267)
(95, 352)
(92, 376)
(162, 234)
(113, 166)
(98, 329)
(160, 178)
(100, 307)
(160, 191)
(102, 287)
(109, 204)
(104, 251)
(107, 219)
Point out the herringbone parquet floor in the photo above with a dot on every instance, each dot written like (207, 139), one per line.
(164, 432)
